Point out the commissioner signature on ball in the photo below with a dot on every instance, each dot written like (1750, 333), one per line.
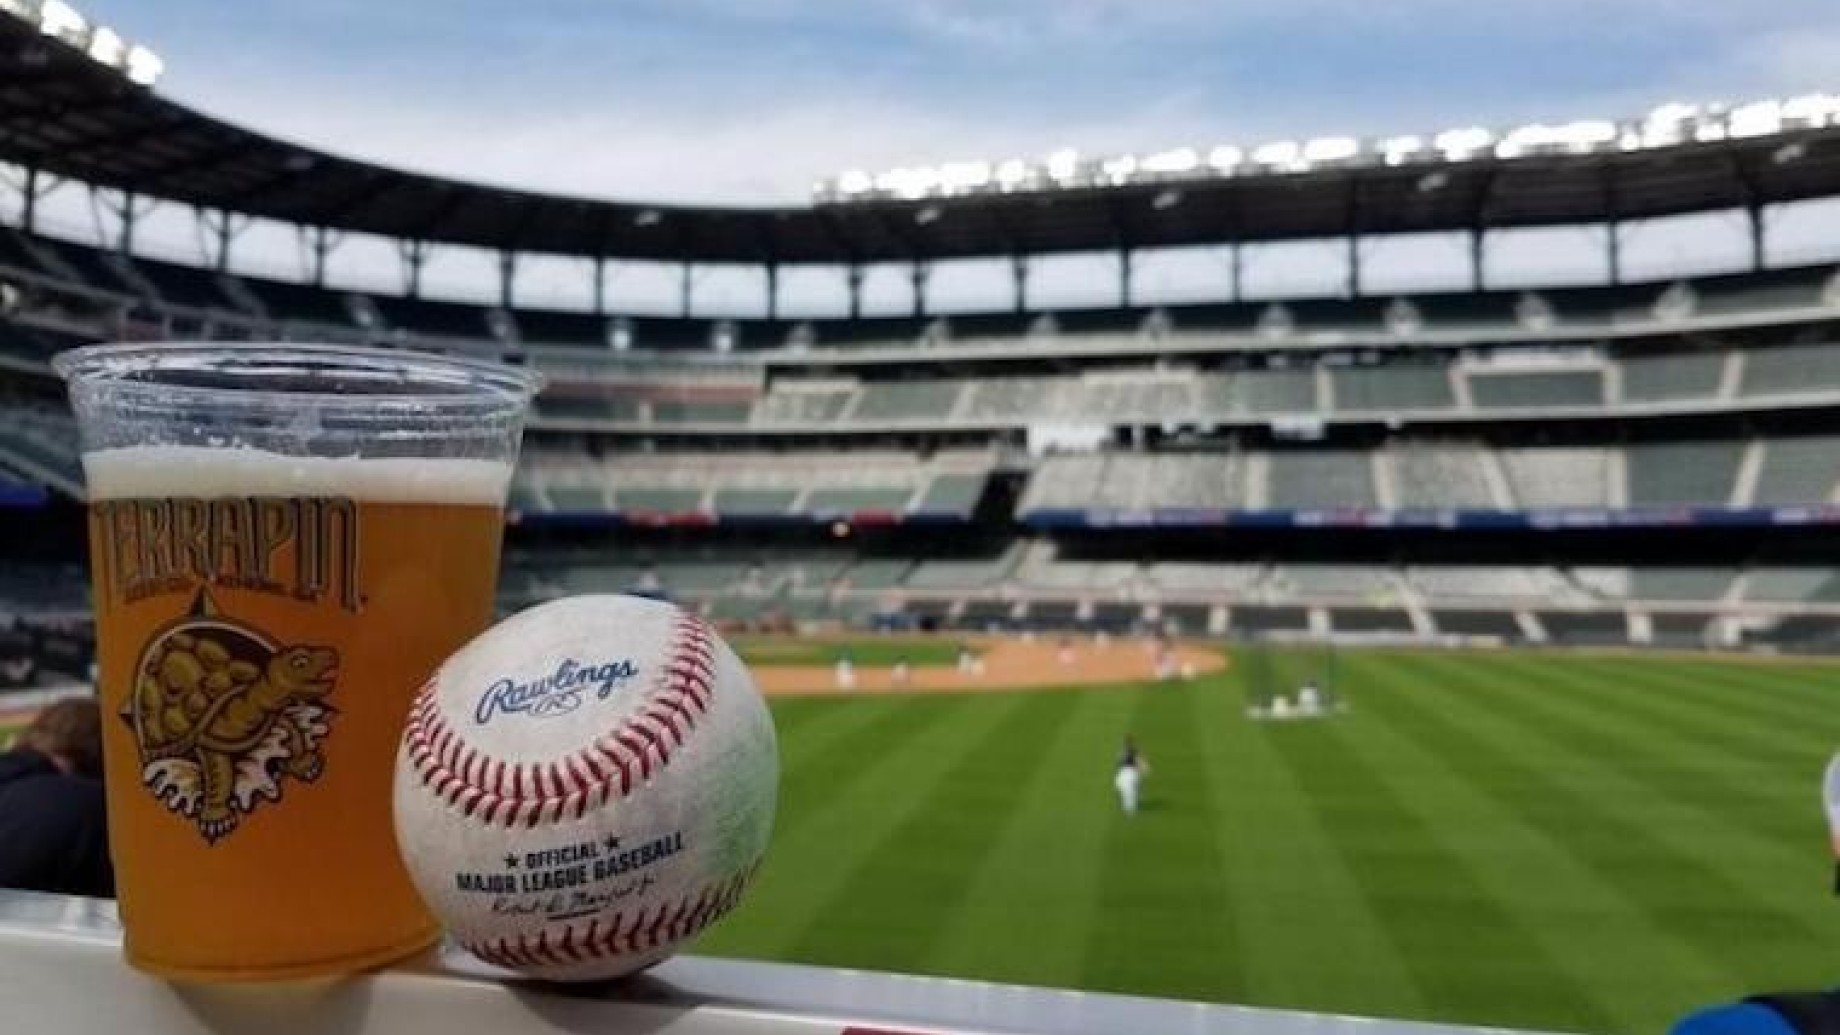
(557, 693)
(572, 905)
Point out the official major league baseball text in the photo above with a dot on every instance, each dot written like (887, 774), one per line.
(589, 846)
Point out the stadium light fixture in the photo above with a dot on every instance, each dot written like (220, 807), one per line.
(59, 19)
(1670, 123)
(1570, 138)
(1119, 171)
(1400, 150)
(964, 176)
(1279, 154)
(1063, 165)
(1812, 111)
(1166, 200)
(1331, 149)
(1182, 160)
(1667, 125)
(106, 46)
(1459, 144)
(1224, 158)
(1755, 120)
(144, 66)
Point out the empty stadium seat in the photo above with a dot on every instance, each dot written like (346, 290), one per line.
(1681, 584)
(1525, 390)
(906, 400)
(1559, 477)
(1683, 473)
(1426, 475)
(1791, 369)
(1672, 377)
(1798, 470)
(1393, 387)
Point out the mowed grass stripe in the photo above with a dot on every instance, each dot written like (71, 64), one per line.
(1710, 718)
(1574, 708)
(1023, 915)
(1605, 939)
(1779, 696)
(1668, 869)
(1311, 938)
(1750, 820)
(849, 748)
(947, 827)
(872, 786)
(1175, 935)
(1447, 873)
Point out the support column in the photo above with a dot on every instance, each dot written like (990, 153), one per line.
(507, 279)
(920, 274)
(1019, 274)
(322, 244)
(1478, 278)
(686, 291)
(129, 215)
(414, 256)
(1354, 266)
(1759, 236)
(853, 276)
(1613, 236)
(772, 291)
(30, 215)
(600, 285)
(1126, 267)
(226, 232)
(1236, 271)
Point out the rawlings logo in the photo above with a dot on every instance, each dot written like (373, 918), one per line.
(558, 693)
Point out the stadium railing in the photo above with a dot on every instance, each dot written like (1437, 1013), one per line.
(61, 971)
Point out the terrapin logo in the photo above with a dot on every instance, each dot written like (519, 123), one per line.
(558, 693)
(223, 716)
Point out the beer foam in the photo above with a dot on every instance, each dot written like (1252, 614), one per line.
(140, 472)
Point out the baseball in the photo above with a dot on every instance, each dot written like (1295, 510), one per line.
(586, 786)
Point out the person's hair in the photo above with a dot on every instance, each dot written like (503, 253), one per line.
(70, 730)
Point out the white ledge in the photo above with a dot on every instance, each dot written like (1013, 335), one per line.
(61, 972)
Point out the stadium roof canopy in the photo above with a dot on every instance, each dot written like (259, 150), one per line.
(65, 115)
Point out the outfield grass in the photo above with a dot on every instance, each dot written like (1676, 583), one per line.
(1558, 842)
(870, 652)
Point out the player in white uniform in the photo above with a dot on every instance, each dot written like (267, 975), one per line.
(1132, 765)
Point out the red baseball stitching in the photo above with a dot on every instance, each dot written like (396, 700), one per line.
(488, 790)
(663, 924)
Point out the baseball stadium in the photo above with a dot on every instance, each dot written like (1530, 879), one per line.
(1472, 643)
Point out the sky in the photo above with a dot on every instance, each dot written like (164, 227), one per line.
(752, 101)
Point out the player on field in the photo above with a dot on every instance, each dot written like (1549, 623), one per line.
(1132, 765)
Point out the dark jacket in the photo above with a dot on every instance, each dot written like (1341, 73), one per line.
(54, 832)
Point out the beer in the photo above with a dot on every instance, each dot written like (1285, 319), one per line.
(262, 623)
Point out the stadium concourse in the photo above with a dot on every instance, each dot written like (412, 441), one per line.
(802, 666)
